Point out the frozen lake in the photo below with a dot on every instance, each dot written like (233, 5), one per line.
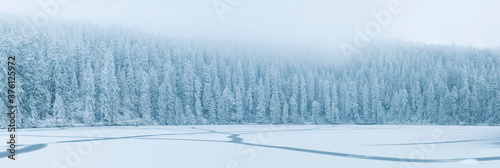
(262, 146)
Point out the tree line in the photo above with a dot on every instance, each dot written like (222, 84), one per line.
(73, 74)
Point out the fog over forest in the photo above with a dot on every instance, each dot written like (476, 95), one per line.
(74, 74)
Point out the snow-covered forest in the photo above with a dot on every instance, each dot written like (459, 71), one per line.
(74, 74)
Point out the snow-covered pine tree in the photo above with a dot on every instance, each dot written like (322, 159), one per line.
(494, 110)
(218, 98)
(3, 88)
(59, 111)
(335, 105)
(167, 100)
(366, 109)
(284, 115)
(316, 109)
(327, 102)
(302, 100)
(275, 108)
(89, 92)
(197, 102)
(260, 116)
(190, 118)
(145, 108)
(294, 110)
(431, 105)
(226, 104)
(238, 105)
(209, 105)
(109, 90)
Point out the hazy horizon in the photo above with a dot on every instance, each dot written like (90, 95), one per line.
(313, 22)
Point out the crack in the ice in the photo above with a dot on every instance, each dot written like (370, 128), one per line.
(236, 139)
(427, 143)
(26, 149)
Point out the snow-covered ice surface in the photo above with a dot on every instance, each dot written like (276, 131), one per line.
(257, 146)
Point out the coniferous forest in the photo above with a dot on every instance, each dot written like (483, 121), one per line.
(73, 74)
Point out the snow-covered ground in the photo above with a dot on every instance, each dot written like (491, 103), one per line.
(257, 147)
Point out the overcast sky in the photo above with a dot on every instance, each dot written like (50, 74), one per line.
(319, 22)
